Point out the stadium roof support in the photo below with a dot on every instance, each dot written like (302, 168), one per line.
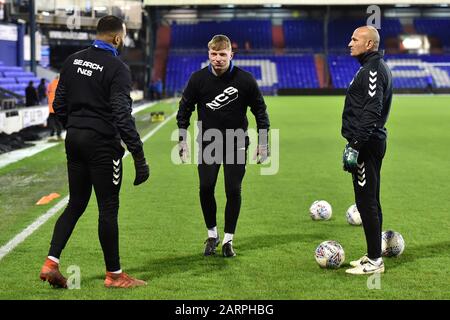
(291, 2)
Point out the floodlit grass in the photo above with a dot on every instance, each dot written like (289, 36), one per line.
(162, 229)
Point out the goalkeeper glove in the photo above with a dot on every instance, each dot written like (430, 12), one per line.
(141, 167)
(262, 152)
(183, 151)
(350, 158)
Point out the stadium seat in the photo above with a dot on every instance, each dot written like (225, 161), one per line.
(340, 32)
(272, 72)
(7, 81)
(18, 74)
(435, 27)
(196, 35)
(409, 71)
(304, 34)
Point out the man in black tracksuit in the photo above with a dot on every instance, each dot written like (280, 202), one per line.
(93, 103)
(222, 93)
(366, 110)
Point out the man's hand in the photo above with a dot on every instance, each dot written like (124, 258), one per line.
(183, 151)
(261, 153)
(141, 167)
(350, 159)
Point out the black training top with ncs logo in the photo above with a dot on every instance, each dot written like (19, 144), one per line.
(222, 101)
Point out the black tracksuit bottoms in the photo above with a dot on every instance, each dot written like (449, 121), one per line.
(366, 184)
(234, 171)
(92, 160)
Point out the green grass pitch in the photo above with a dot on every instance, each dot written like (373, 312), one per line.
(162, 229)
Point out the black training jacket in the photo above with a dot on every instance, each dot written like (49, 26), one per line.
(368, 101)
(94, 93)
(222, 101)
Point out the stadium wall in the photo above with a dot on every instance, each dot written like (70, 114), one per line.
(17, 119)
(11, 42)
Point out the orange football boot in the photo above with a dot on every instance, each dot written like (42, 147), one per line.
(50, 272)
(122, 280)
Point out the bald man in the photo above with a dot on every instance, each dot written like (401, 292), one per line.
(366, 111)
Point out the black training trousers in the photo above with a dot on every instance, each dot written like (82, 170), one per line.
(234, 171)
(366, 184)
(54, 124)
(92, 160)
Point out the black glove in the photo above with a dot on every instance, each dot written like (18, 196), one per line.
(350, 158)
(141, 167)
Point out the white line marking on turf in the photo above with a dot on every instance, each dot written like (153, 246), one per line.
(19, 238)
(14, 242)
(159, 126)
(17, 155)
(39, 146)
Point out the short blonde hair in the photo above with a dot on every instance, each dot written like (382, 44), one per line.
(219, 42)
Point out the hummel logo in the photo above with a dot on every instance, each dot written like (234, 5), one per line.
(372, 83)
(116, 173)
(361, 175)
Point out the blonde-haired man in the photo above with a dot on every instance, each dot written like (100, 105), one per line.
(222, 92)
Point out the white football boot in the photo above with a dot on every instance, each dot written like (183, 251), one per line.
(359, 261)
(367, 267)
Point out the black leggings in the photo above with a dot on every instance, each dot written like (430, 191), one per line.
(366, 184)
(92, 160)
(234, 172)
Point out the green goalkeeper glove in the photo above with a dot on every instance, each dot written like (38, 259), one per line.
(350, 158)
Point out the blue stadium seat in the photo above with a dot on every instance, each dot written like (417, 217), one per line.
(27, 79)
(18, 74)
(7, 81)
(409, 71)
(272, 72)
(435, 27)
(303, 34)
(196, 35)
(340, 32)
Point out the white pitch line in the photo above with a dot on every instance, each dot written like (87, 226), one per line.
(152, 132)
(14, 242)
(17, 155)
(19, 238)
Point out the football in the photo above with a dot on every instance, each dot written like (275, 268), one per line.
(392, 244)
(320, 210)
(353, 216)
(330, 254)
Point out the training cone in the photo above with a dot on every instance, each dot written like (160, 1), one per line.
(48, 198)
